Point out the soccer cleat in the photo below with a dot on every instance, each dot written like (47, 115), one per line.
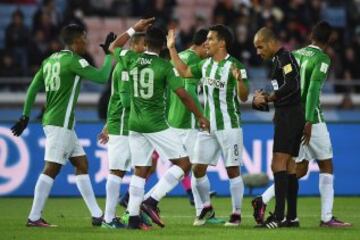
(215, 220)
(143, 217)
(259, 209)
(291, 223)
(153, 213)
(235, 220)
(206, 213)
(115, 223)
(335, 223)
(136, 224)
(97, 221)
(39, 223)
(271, 223)
(212, 194)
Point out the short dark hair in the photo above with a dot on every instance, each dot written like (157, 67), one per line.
(136, 37)
(321, 32)
(155, 38)
(200, 36)
(223, 33)
(70, 32)
(267, 34)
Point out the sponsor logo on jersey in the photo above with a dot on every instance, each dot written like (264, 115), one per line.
(287, 68)
(144, 61)
(215, 83)
(14, 161)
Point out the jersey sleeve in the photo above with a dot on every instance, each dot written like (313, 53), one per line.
(36, 85)
(124, 89)
(196, 69)
(243, 72)
(289, 68)
(318, 77)
(100, 75)
(172, 77)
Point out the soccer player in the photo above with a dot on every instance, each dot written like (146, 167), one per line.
(289, 122)
(181, 119)
(314, 65)
(150, 75)
(224, 81)
(60, 75)
(116, 132)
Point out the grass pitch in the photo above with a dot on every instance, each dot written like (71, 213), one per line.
(74, 222)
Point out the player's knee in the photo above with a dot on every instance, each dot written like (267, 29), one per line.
(118, 173)
(302, 169)
(233, 172)
(81, 168)
(326, 166)
(199, 170)
(52, 169)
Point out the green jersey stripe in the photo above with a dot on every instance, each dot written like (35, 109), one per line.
(223, 96)
(71, 102)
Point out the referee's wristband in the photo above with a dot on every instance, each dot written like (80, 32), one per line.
(130, 32)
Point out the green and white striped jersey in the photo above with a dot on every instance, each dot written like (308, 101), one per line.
(220, 96)
(60, 75)
(119, 102)
(314, 65)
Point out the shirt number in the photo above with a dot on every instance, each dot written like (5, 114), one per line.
(52, 76)
(143, 82)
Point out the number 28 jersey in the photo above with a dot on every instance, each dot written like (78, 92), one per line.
(149, 77)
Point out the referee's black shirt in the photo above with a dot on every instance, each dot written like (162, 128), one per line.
(285, 77)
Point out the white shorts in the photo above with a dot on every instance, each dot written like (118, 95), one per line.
(61, 144)
(119, 153)
(229, 143)
(166, 143)
(188, 138)
(319, 147)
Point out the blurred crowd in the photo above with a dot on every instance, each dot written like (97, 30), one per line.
(26, 46)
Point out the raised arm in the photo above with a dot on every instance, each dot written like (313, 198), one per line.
(183, 69)
(99, 75)
(140, 26)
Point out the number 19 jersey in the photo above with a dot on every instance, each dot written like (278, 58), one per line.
(149, 76)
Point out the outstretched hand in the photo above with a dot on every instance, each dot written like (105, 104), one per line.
(108, 40)
(236, 72)
(143, 24)
(170, 38)
(18, 128)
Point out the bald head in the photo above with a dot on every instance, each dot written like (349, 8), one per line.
(266, 43)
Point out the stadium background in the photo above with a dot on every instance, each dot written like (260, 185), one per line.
(29, 33)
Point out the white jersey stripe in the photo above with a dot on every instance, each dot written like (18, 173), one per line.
(212, 109)
(203, 70)
(122, 118)
(222, 95)
(71, 102)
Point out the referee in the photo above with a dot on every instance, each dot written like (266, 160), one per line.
(289, 121)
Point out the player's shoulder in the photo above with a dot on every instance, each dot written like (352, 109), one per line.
(235, 61)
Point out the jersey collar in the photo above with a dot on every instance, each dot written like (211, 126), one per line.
(151, 53)
(226, 58)
(314, 46)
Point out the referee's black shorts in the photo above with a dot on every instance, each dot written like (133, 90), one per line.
(289, 125)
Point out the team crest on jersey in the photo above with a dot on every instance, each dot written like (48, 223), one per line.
(215, 83)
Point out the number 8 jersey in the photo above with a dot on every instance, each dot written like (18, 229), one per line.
(60, 76)
(149, 77)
